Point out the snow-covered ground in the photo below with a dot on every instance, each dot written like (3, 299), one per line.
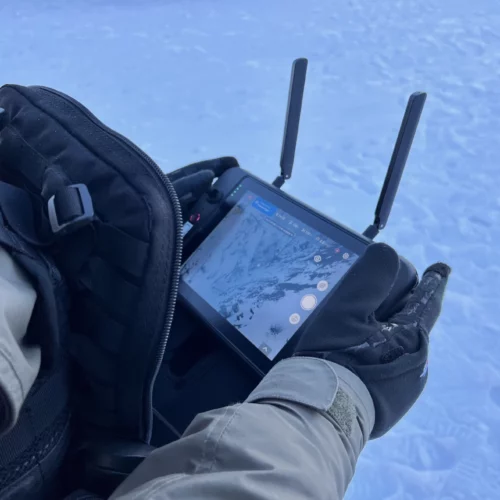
(192, 79)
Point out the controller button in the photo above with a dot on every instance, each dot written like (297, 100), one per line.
(214, 195)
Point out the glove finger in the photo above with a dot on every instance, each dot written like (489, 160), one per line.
(369, 281)
(217, 165)
(424, 306)
(195, 184)
(222, 164)
(189, 189)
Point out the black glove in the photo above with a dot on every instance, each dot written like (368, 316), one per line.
(391, 357)
(192, 181)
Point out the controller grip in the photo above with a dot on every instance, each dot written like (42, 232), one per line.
(404, 285)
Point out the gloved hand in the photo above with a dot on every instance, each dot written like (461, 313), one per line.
(390, 358)
(192, 181)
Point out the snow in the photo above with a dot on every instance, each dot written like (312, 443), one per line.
(188, 80)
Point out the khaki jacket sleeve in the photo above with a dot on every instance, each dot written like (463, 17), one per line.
(19, 364)
(297, 436)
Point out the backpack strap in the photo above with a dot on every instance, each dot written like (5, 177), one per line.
(69, 209)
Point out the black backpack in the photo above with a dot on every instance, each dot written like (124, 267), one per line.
(79, 200)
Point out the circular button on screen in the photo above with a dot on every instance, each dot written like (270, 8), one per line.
(308, 302)
(322, 285)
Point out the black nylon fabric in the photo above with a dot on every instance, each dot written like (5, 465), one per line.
(120, 271)
(34, 450)
(83, 495)
(32, 454)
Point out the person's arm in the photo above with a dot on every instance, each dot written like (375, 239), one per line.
(19, 364)
(298, 435)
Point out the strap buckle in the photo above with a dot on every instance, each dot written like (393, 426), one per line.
(70, 209)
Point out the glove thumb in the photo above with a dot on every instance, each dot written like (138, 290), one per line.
(366, 285)
(347, 319)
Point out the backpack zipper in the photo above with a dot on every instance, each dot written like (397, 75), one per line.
(179, 235)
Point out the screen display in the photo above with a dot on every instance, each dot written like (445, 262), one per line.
(265, 271)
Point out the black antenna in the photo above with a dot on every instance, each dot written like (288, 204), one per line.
(398, 161)
(295, 95)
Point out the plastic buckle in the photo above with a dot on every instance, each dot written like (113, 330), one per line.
(77, 222)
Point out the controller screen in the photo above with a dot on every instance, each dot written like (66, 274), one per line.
(265, 271)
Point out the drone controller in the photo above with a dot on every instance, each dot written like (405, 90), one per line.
(276, 209)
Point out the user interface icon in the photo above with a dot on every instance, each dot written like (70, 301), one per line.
(322, 285)
(294, 318)
(265, 348)
(308, 302)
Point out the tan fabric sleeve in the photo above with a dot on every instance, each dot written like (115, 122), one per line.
(298, 436)
(19, 364)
